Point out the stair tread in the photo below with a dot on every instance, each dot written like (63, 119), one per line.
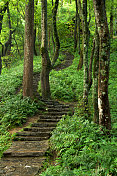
(35, 129)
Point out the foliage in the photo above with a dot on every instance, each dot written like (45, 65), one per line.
(14, 110)
(5, 139)
(82, 148)
(67, 84)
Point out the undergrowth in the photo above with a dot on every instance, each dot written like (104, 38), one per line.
(67, 84)
(14, 109)
(82, 148)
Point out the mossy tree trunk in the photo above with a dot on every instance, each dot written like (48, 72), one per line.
(104, 57)
(28, 50)
(46, 63)
(111, 20)
(95, 78)
(76, 27)
(56, 37)
(83, 17)
(90, 64)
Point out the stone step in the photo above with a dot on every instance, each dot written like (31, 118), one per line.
(49, 117)
(58, 106)
(37, 134)
(44, 124)
(28, 145)
(48, 120)
(50, 102)
(20, 166)
(55, 109)
(57, 113)
(24, 154)
(41, 129)
(30, 138)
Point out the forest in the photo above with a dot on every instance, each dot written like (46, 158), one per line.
(58, 88)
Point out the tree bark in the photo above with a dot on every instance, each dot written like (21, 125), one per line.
(56, 37)
(76, 28)
(80, 64)
(111, 21)
(83, 17)
(90, 64)
(104, 57)
(35, 52)
(95, 78)
(46, 63)
(28, 50)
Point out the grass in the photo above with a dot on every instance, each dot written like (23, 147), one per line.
(82, 149)
(14, 109)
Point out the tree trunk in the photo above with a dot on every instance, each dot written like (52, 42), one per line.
(57, 43)
(83, 17)
(2, 11)
(80, 64)
(95, 78)
(46, 63)
(90, 64)
(28, 50)
(78, 34)
(35, 52)
(76, 28)
(104, 57)
(111, 20)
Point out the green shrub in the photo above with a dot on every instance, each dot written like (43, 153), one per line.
(67, 84)
(82, 149)
(14, 110)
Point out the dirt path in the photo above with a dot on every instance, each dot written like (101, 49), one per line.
(68, 58)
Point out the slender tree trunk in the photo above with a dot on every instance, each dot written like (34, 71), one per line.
(90, 64)
(76, 28)
(78, 34)
(2, 11)
(17, 47)
(46, 63)
(80, 64)
(57, 43)
(111, 20)
(83, 16)
(116, 21)
(104, 57)
(28, 50)
(95, 78)
(35, 52)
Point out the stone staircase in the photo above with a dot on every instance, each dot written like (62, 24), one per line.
(27, 152)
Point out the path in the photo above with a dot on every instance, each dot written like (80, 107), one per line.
(27, 152)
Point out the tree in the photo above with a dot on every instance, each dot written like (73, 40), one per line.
(56, 37)
(83, 17)
(28, 49)
(95, 78)
(2, 11)
(111, 20)
(46, 63)
(104, 57)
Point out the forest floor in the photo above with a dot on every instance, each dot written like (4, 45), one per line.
(68, 58)
(27, 152)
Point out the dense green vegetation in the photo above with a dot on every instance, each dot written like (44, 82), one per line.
(14, 110)
(81, 148)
